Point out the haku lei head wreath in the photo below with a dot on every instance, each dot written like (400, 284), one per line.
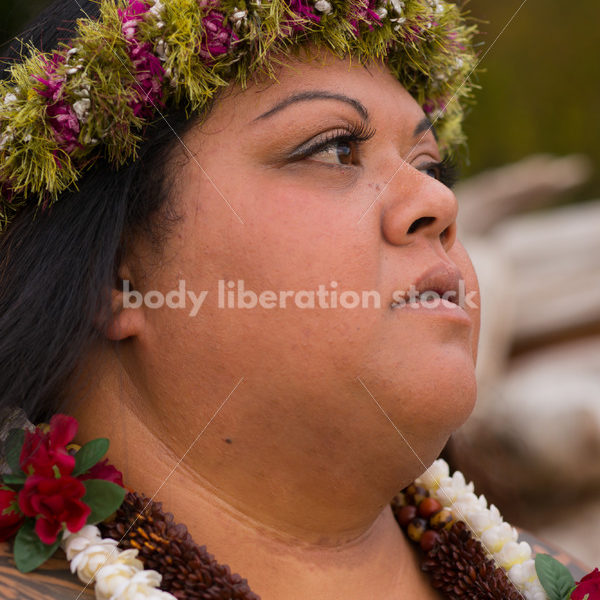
(60, 111)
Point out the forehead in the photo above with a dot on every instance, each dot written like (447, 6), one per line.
(372, 85)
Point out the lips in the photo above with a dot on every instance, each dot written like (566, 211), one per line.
(441, 281)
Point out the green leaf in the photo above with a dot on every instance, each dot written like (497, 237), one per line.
(555, 578)
(89, 454)
(29, 551)
(11, 479)
(103, 497)
(12, 449)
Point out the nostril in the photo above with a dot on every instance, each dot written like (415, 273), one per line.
(419, 223)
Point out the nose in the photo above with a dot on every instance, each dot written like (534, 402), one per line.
(415, 204)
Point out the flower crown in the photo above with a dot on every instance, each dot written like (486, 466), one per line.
(92, 97)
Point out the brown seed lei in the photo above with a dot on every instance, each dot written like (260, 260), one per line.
(188, 571)
(457, 563)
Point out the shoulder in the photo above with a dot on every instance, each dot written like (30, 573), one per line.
(541, 546)
(52, 581)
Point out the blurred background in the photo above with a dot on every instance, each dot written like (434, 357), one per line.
(530, 217)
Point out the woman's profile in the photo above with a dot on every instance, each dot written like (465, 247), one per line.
(229, 246)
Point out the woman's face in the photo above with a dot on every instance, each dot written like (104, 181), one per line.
(328, 175)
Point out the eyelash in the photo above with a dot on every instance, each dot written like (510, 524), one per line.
(447, 171)
(358, 133)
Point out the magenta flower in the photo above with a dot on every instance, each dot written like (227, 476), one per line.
(218, 37)
(304, 9)
(428, 107)
(62, 117)
(148, 71)
(65, 124)
(149, 75)
(365, 13)
(53, 83)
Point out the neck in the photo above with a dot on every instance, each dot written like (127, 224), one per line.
(326, 545)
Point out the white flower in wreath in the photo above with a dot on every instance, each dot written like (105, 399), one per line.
(398, 22)
(437, 6)
(323, 6)
(522, 573)
(9, 99)
(136, 589)
(7, 138)
(93, 557)
(534, 590)
(495, 537)
(157, 8)
(398, 7)
(73, 543)
(239, 18)
(513, 553)
(111, 579)
(82, 108)
(129, 28)
(451, 488)
(433, 476)
(162, 50)
(121, 582)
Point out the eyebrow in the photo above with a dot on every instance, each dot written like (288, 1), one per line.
(316, 95)
(424, 125)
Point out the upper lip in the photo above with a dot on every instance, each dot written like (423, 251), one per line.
(441, 279)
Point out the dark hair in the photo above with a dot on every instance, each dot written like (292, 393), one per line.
(58, 266)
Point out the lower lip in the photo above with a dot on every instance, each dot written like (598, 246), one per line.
(439, 308)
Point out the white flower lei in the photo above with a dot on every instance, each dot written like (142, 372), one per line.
(117, 574)
(497, 536)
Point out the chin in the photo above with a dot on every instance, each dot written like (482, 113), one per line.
(428, 399)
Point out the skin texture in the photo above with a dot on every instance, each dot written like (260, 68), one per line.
(296, 426)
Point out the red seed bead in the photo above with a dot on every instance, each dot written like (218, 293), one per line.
(429, 507)
(405, 515)
(429, 539)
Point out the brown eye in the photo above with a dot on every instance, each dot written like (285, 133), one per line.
(338, 148)
(336, 152)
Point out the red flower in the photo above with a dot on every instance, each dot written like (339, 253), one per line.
(11, 518)
(43, 451)
(590, 584)
(54, 501)
(103, 470)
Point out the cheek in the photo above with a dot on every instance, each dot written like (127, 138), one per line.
(291, 240)
(297, 237)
